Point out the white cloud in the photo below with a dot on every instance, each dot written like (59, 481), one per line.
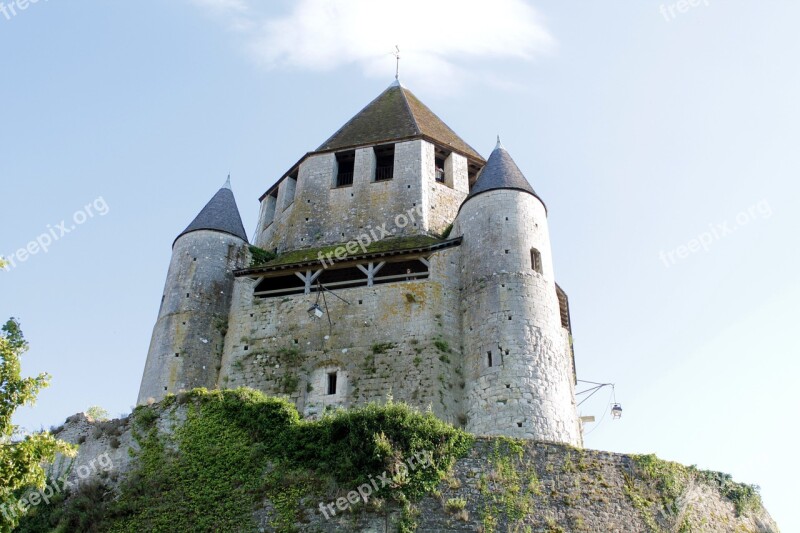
(442, 42)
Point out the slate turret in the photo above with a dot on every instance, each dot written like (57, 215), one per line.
(186, 347)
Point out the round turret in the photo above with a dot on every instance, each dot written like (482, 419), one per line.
(518, 359)
(186, 347)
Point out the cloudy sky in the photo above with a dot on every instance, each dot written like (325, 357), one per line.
(664, 143)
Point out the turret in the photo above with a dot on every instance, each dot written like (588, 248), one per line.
(518, 359)
(186, 346)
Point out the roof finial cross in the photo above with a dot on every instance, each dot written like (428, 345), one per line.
(396, 55)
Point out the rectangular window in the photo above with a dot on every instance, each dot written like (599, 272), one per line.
(536, 260)
(439, 169)
(489, 359)
(345, 166)
(332, 383)
(384, 162)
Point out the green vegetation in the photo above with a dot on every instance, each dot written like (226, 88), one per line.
(665, 482)
(21, 459)
(455, 504)
(239, 447)
(382, 347)
(289, 383)
(442, 345)
(97, 413)
(744, 497)
(446, 233)
(260, 256)
(510, 487)
(313, 254)
(289, 356)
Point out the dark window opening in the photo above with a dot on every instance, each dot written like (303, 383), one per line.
(384, 162)
(342, 277)
(536, 260)
(345, 166)
(401, 271)
(332, 383)
(281, 285)
(472, 173)
(439, 169)
(489, 359)
(563, 304)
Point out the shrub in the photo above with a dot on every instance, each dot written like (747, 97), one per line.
(238, 447)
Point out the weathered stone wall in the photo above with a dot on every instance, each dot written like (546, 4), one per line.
(442, 200)
(549, 488)
(401, 339)
(186, 346)
(520, 378)
(321, 214)
(525, 486)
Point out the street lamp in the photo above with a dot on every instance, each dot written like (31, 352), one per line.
(616, 409)
(315, 311)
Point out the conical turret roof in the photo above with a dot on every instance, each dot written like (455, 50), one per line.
(220, 214)
(396, 114)
(500, 172)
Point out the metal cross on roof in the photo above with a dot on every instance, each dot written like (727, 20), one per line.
(396, 54)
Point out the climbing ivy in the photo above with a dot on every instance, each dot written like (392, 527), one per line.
(237, 448)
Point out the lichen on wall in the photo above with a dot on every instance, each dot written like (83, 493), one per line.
(239, 461)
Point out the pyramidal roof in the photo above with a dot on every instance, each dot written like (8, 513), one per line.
(500, 172)
(394, 115)
(219, 214)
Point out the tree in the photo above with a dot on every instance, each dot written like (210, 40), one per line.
(3, 263)
(21, 456)
(97, 413)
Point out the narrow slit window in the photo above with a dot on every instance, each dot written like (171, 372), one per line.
(489, 361)
(536, 260)
(332, 383)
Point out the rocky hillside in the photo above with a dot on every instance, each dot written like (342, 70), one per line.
(239, 461)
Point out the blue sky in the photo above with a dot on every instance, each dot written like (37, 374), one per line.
(645, 132)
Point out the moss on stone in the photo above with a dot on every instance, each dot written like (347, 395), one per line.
(384, 245)
(238, 448)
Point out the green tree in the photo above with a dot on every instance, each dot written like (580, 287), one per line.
(97, 413)
(21, 456)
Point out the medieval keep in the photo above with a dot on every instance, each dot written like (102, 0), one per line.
(392, 261)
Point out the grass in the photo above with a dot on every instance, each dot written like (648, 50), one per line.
(313, 254)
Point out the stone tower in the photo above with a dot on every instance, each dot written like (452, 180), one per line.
(186, 346)
(396, 262)
(518, 357)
